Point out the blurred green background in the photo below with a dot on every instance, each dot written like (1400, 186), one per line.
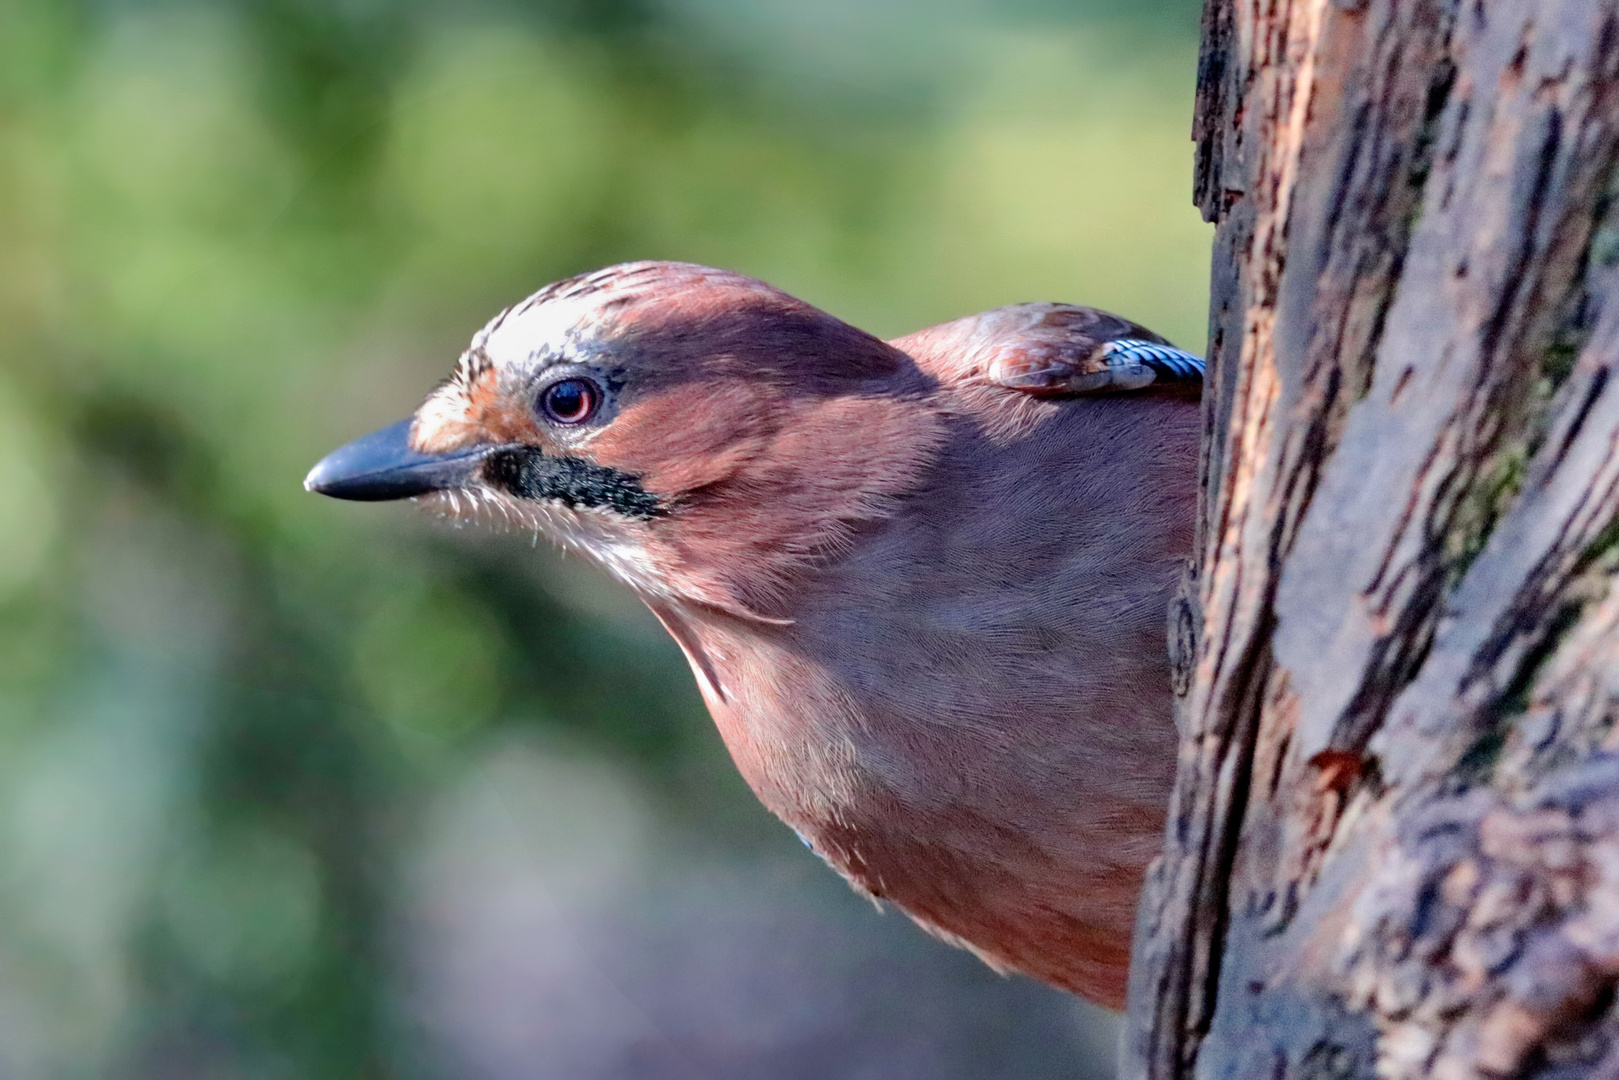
(294, 788)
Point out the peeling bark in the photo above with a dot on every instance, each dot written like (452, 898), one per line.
(1393, 846)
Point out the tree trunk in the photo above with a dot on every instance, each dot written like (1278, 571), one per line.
(1394, 840)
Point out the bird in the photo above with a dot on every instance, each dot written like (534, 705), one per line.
(922, 584)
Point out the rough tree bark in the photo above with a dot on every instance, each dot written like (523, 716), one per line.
(1394, 840)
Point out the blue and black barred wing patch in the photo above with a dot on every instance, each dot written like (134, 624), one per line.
(1133, 364)
(1116, 366)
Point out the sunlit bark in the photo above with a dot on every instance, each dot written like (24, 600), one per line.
(1394, 841)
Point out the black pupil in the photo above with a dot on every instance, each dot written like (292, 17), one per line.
(570, 400)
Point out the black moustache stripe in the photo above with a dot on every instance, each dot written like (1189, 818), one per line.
(529, 474)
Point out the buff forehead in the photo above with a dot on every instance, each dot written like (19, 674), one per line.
(541, 332)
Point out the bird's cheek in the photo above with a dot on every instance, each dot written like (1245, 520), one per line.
(684, 441)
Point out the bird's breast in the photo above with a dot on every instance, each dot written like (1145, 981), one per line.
(970, 713)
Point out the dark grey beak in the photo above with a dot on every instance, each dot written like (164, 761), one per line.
(382, 466)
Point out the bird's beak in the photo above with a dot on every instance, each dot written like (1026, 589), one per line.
(383, 466)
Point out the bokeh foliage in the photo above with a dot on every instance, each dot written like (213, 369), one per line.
(233, 234)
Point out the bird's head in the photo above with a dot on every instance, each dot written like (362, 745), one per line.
(700, 434)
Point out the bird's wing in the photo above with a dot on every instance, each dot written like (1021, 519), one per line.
(1053, 350)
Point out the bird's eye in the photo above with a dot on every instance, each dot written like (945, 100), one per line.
(570, 401)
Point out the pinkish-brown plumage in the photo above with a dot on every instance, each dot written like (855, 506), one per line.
(922, 584)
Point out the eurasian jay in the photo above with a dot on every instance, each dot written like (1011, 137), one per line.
(922, 584)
